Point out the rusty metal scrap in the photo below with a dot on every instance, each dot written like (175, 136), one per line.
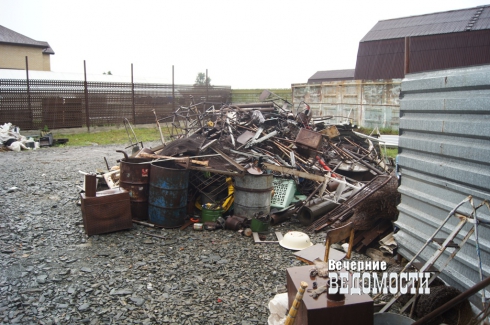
(327, 162)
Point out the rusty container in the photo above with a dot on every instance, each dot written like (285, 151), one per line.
(308, 138)
(107, 211)
(167, 202)
(253, 195)
(135, 175)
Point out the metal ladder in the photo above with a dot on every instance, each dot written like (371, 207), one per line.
(443, 243)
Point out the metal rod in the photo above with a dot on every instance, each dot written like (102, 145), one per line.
(173, 90)
(406, 63)
(87, 114)
(28, 88)
(132, 92)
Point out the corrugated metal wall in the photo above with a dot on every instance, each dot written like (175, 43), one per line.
(367, 103)
(380, 59)
(445, 156)
(435, 52)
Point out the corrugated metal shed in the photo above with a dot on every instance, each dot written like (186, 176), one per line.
(332, 75)
(445, 156)
(431, 24)
(435, 41)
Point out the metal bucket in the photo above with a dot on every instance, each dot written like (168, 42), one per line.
(135, 173)
(168, 194)
(253, 195)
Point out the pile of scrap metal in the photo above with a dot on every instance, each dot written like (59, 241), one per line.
(316, 166)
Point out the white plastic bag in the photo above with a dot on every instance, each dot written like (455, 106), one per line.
(278, 307)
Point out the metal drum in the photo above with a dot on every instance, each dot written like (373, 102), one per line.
(253, 195)
(168, 194)
(135, 173)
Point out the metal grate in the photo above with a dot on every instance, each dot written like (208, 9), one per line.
(346, 207)
(208, 184)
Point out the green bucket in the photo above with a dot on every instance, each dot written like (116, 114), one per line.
(209, 215)
(259, 226)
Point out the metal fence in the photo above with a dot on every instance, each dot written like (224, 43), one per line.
(36, 104)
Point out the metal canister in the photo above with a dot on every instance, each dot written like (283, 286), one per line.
(167, 203)
(234, 222)
(135, 175)
(253, 195)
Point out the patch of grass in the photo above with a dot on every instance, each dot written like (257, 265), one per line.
(386, 131)
(391, 152)
(116, 136)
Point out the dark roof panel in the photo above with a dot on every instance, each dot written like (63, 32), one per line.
(476, 18)
(11, 37)
(333, 74)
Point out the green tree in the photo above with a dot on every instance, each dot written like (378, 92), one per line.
(201, 80)
(108, 73)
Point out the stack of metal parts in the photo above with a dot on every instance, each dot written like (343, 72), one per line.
(316, 166)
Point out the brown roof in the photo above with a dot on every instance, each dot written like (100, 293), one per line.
(470, 19)
(10, 37)
(345, 74)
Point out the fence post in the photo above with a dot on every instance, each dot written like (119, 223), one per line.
(87, 115)
(207, 86)
(173, 91)
(28, 92)
(132, 92)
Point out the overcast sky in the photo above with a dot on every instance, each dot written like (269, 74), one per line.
(243, 44)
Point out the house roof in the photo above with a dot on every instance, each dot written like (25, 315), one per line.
(10, 37)
(333, 74)
(476, 18)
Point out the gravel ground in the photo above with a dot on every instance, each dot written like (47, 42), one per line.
(52, 273)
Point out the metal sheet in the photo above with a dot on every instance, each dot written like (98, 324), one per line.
(445, 156)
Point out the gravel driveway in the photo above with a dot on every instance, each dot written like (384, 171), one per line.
(52, 273)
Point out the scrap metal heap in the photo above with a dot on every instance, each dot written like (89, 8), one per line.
(317, 166)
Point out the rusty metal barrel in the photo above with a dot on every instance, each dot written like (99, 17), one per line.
(168, 194)
(135, 173)
(253, 195)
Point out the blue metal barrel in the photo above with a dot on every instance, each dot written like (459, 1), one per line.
(167, 202)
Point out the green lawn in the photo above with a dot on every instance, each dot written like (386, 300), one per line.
(117, 136)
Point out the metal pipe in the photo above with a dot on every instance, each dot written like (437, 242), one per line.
(173, 91)
(132, 92)
(87, 114)
(453, 302)
(406, 61)
(28, 88)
